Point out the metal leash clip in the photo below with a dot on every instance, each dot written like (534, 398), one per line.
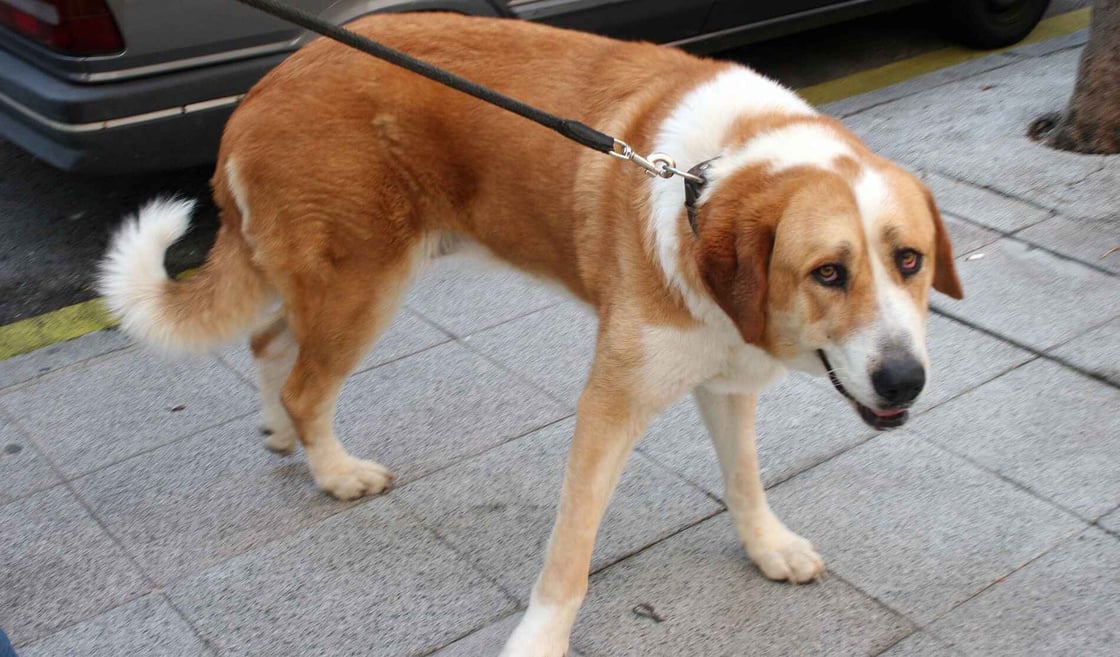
(656, 165)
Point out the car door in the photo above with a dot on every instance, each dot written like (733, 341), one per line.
(648, 20)
(728, 14)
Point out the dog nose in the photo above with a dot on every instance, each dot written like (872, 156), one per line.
(899, 381)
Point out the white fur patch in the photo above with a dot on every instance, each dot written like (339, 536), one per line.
(133, 276)
(273, 368)
(873, 197)
(695, 131)
(542, 632)
(800, 144)
(678, 360)
(898, 320)
(239, 197)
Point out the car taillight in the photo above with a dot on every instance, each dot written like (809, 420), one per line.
(75, 27)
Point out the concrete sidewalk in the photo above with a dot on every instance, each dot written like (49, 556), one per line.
(140, 515)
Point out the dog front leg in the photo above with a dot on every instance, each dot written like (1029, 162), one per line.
(779, 553)
(607, 426)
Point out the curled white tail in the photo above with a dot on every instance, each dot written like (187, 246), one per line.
(219, 303)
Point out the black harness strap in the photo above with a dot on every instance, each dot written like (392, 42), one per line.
(570, 128)
(694, 187)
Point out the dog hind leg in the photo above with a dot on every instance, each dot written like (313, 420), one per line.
(274, 351)
(334, 320)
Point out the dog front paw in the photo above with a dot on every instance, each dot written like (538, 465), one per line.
(783, 555)
(539, 634)
(534, 647)
(351, 478)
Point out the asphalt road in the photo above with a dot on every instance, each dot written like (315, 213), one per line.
(54, 225)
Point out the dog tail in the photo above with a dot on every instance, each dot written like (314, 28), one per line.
(222, 301)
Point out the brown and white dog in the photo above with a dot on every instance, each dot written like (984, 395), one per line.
(339, 176)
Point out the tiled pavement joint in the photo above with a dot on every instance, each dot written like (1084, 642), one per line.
(1002, 477)
(1016, 234)
(463, 554)
(998, 192)
(469, 346)
(1046, 355)
(1115, 531)
(124, 550)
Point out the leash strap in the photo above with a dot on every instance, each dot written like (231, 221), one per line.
(574, 130)
(657, 164)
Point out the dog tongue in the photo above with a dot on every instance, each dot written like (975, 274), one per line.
(893, 413)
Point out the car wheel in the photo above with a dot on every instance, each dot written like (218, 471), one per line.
(993, 23)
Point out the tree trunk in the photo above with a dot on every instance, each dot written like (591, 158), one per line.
(1091, 122)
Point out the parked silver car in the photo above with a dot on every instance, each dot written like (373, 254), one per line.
(110, 86)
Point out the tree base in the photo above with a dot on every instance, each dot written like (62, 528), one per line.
(1056, 131)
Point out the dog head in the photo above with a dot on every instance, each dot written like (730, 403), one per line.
(826, 263)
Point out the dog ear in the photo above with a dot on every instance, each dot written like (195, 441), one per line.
(945, 278)
(734, 262)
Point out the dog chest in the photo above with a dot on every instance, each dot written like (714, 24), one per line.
(747, 369)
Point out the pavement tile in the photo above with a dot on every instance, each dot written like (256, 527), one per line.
(1087, 240)
(552, 348)
(800, 423)
(96, 414)
(1042, 426)
(486, 642)
(426, 411)
(982, 206)
(1031, 296)
(463, 294)
(22, 467)
(922, 530)
(1064, 604)
(25, 367)
(408, 334)
(713, 602)
(967, 237)
(1097, 351)
(498, 509)
(148, 627)
(369, 581)
(858, 103)
(962, 358)
(57, 566)
(188, 505)
(921, 644)
(975, 130)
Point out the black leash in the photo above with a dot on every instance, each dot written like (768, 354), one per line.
(657, 164)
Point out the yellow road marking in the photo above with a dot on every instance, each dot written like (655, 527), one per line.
(89, 316)
(59, 325)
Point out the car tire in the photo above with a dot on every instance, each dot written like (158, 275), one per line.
(987, 24)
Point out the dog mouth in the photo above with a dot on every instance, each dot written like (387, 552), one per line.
(876, 419)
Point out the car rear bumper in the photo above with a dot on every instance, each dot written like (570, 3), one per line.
(167, 121)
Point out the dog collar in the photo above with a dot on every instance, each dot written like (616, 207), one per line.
(694, 185)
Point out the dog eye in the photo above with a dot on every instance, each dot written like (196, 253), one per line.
(831, 275)
(909, 261)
